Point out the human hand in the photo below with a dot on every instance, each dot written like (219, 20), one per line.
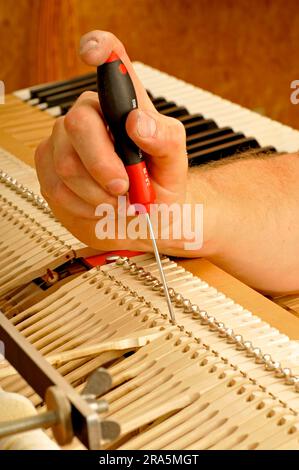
(78, 168)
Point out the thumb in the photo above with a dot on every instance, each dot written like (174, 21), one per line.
(95, 48)
(163, 139)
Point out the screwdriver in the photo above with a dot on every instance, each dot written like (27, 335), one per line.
(117, 98)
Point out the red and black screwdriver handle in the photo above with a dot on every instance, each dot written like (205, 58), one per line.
(117, 98)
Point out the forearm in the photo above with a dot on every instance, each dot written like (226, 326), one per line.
(251, 219)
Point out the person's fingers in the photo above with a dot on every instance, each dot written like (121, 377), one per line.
(95, 48)
(164, 139)
(89, 136)
(72, 172)
(53, 188)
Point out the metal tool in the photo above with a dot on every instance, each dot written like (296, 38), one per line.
(117, 98)
(58, 417)
(59, 413)
(69, 414)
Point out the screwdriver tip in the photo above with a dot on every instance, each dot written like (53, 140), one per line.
(162, 275)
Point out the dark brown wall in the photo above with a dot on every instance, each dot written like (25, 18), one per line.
(244, 50)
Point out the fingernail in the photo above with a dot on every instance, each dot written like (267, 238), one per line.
(117, 186)
(146, 125)
(87, 46)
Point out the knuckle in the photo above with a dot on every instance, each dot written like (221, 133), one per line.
(87, 96)
(57, 194)
(65, 166)
(95, 169)
(76, 120)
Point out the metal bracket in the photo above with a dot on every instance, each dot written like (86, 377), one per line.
(44, 379)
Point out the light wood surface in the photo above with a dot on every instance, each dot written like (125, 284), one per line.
(265, 308)
(16, 148)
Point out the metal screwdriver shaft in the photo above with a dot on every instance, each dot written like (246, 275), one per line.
(43, 420)
(162, 275)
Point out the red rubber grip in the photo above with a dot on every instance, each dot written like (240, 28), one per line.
(140, 190)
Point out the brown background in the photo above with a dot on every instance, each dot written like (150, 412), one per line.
(244, 50)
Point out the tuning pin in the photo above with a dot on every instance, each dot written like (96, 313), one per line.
(133, 269)
(171, 292)
(258, 355)
(283, 373)
(179, 300)
(204, 317)
(221, 329)
(18, 188)
(156, 285)
(249, 348)
(121, 260)
(187, 304)
(212, 323)
(268, 362)
(230, 336)
(151, 281)
(140, 272)
(148, 279)
(239, 342)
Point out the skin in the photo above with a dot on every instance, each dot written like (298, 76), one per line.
(251, 204)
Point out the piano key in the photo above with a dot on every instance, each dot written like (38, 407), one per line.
(169, 90)
(193, 138)
(158, 100)
(191, 118)
(62, 98)
(175, 111)
(43, 94)
(29, 93)
(200, 125)
(194, 148)
(164, 105)
(52, 86)
(225, 113)
(57, 111)
(224, 150)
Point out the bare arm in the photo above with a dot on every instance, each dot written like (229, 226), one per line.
(254, 204)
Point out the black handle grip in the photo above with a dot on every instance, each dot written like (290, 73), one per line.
(117, 98)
